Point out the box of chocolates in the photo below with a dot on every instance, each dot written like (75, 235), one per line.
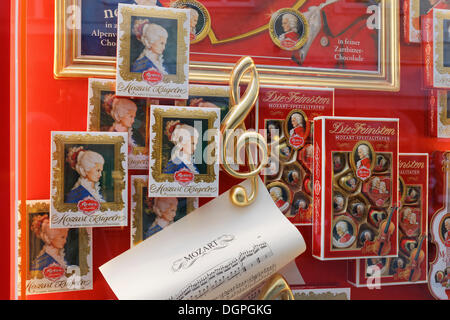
(355, 187)
(410, 267)
(286, 115)
(436, 47)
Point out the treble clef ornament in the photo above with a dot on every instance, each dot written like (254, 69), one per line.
(241, 107)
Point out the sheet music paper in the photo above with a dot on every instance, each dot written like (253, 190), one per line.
(219, 251)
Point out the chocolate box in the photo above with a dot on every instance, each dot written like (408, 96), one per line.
(436, 48)
(355, 181)
(288, 179)
(413, 10)
(410, 267)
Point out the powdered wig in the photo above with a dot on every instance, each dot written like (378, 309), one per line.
(161, 204)
(298, 117)
(342, 226)
(40, 226)
(194, 13)
(276, 191)
(122, 107)
(364, 149)
(292, 21)
(177, 132)
(182, 131)
(82, 161)
(148, 32)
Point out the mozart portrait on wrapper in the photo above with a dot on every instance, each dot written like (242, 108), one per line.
(148, 46)
(343, 234)
(183, 146)
(110, 113)
(151, 215)
(152, 52)
(88, 166)
(184, 137)
(88, 178)
(281, 195)
(53, 253)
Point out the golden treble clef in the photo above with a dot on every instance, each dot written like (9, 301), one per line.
(241, 107)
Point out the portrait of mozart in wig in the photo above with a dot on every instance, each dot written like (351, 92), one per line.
(54, 240)
(161, 212)
(184, 138)
(343, 234)
(151, 46)
(363, 157)
(123, 112)
(277, 196)
(290, 37)
(193, 22)
(89, 167)
(298, 125)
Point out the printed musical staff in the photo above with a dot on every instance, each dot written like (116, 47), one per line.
(225, 271)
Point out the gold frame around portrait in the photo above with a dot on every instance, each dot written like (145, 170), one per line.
(99, 85)
(125, 40)
(156, 152)
(66, 64)
(194, 3)
(43, 206)
(118, 175)
(136, 218)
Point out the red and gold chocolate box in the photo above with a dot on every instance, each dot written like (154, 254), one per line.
(410, 267)
(355, 181)
(286, 115)
(413, 10)
(436, 48)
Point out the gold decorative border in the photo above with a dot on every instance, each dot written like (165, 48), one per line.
(301, 42)
(193, 3)
(84, 240)
(97, 86)
(118, 174)
(137, 211)
(124, 45)
(352, 158)
(205, 91)
(388, 79)
(442, 103)
(180, 113)
(438, 23)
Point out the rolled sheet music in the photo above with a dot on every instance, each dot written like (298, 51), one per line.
(219, 251)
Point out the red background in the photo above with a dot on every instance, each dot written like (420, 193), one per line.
(4, 159)
(62, 105)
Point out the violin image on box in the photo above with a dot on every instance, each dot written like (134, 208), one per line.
(413, 271)
(382, 245)
(439, 276)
